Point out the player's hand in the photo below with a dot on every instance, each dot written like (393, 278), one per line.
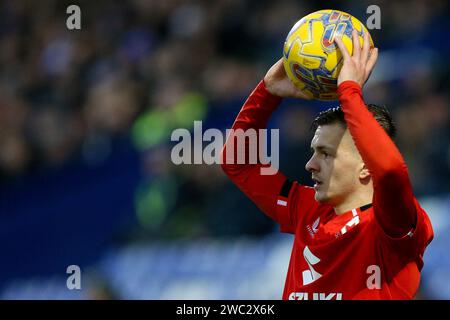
(278, 83)
(359, 66)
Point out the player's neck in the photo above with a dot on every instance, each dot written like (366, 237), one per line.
(354, 201)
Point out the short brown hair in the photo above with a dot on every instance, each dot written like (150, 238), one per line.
(380, 113)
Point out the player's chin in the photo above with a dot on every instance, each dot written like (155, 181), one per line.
(325, 197)
(321, 197)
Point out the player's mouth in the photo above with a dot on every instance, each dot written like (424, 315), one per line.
(317, 183)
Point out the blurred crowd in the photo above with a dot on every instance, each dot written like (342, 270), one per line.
(139, 69)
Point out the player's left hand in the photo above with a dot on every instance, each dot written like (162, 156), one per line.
(359, 66)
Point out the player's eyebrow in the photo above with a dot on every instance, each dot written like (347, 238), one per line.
(321, 148)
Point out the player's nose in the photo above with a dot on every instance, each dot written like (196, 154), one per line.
(312, 165)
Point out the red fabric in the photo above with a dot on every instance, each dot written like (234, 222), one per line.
(393, 195)
(262, 190)
(375, 253)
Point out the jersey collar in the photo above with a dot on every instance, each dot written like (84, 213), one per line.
(351, 212)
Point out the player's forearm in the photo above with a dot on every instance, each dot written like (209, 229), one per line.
(254, 114)
(262, 190)
(392, 187)
(258, 108)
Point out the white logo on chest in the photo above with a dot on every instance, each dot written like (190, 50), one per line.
(311, 275)
(312, 229)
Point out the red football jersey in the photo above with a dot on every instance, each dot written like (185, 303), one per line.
(348, 256)
(372, 252)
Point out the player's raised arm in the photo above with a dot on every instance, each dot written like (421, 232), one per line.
(263, 190)
(393, 198)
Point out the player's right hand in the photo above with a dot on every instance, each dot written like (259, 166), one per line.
(278, 83)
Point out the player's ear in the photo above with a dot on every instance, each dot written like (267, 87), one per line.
(364, 172)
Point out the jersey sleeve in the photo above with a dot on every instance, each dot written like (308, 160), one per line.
(395, 207)
(274, 194)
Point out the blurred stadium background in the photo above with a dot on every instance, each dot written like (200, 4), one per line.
(85, 124)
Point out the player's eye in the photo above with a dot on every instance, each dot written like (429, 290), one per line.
(326, 154)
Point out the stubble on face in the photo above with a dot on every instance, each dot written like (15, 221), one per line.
(339, 173)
